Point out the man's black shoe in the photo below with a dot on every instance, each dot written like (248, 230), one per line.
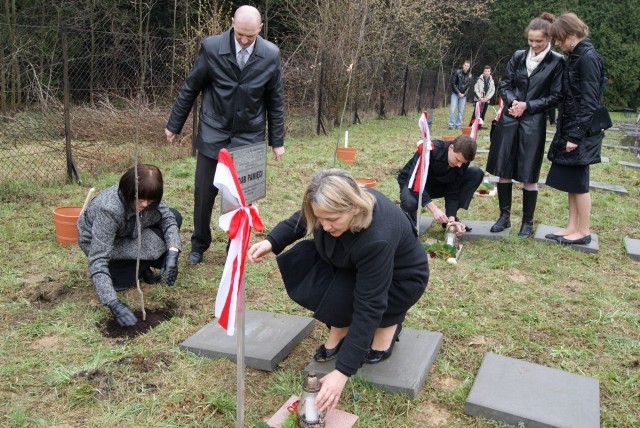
(194, 258)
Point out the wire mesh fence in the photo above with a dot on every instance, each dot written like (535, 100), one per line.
(74, 101)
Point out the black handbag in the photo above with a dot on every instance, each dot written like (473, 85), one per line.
(600, 121)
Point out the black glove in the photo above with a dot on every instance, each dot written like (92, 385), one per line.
(171, 267)
(122, 313)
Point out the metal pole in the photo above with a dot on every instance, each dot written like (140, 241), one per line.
(424, 153)
(240, 358)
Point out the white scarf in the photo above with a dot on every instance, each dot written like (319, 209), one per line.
(533, 61)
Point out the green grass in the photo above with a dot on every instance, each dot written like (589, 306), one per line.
(518, 298)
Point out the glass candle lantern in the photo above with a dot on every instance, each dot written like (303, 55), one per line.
(450, 237)
(308, 414)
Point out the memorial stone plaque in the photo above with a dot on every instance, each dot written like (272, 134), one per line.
(251, 165)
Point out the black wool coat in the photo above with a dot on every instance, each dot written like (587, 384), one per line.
(517, 144)
(236, 104)
(584, 83)
(363, 280)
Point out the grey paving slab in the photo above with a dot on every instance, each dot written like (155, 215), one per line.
(425, 223)
(633, 248)
(597, 185)
(631, 164)
(481, 230)
(407, 368)
(269, 338)
(609, 187)
(515, 391)
(544, 229)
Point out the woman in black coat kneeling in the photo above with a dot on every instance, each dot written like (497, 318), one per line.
(360, 274)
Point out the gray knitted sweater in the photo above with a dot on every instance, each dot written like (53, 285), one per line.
(107, 231)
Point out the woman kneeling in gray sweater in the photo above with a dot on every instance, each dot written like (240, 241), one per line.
(108, 235)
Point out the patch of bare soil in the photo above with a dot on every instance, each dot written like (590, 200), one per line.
(49, 342)
(100, 380)
(432, 415)
(449, 383)
(42, 289)
(154, 318)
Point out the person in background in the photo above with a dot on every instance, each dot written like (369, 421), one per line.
(531, 85)
(574, 146)
(483, 91)
(108, 235)
(449, 177)
(460, 84)
(239, 75)
(363, 269)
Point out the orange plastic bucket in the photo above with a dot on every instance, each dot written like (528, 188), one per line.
(366, 182)
(65, 219)
(346, 154)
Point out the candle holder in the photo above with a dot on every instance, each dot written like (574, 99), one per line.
(450, 237)
(308, 414)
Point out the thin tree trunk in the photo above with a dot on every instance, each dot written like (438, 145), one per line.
(92, 54)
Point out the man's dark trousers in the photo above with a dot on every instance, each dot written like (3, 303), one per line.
(468, 184)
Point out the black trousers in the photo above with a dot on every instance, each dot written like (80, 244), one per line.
(123, 272)
(204, 196)
(453, 200)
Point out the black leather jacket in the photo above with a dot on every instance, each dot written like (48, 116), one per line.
(460, 82)
(235, 104)
(583, 83)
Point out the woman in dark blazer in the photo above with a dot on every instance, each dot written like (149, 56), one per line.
(574, 146)
(532, 84)
(360, 274)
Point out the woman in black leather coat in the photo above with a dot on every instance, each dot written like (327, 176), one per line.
(574, 147)
(532, 84)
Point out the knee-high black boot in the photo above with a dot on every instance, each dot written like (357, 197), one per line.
(529, 199)
(504, 203)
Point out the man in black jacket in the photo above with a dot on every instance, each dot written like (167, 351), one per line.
(240, 77)
(460, 84)
(449, 177)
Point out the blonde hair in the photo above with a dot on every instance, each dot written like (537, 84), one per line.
(336, 191)
(566, 25)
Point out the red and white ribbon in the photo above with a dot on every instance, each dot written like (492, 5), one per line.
(237, 224)
(419, 175)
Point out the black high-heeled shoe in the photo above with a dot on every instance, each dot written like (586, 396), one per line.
(323, 354)
(375, 357)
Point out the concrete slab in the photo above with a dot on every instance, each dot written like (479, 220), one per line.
(515, 391)
(407, 368)
(334, 419)
(481, 230)
(425, 223)
(633, 248)
(631, 164)
(609, 187)
(269, 338)
(544, 229)
(597, 185)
